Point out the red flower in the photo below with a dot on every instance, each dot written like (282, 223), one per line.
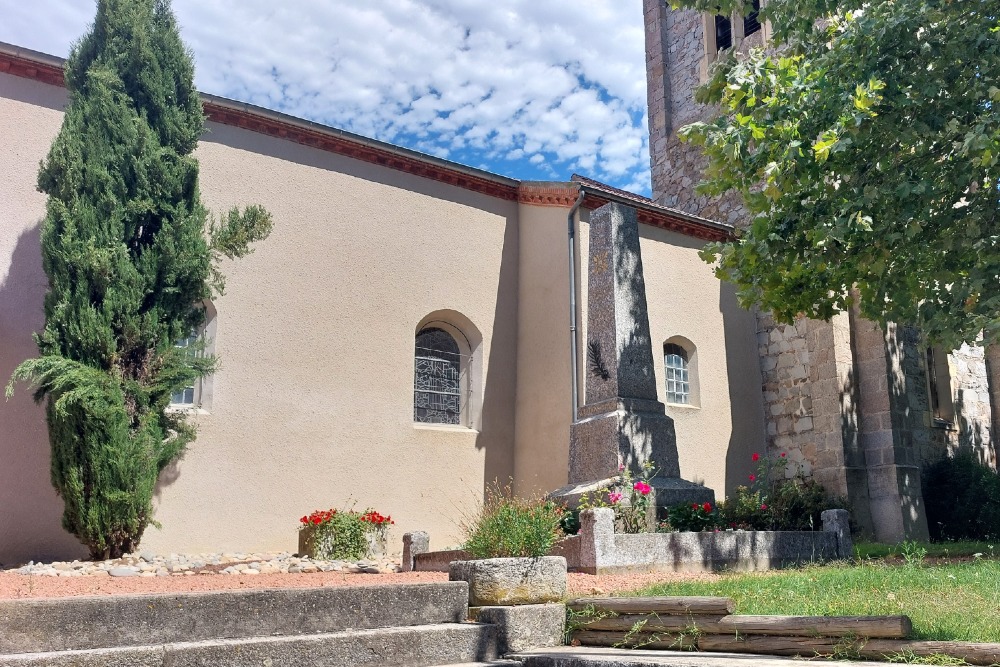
(763, 506)
(694, 506)
(756, 456)
(707, 507)
(782, 455)
(753, 478)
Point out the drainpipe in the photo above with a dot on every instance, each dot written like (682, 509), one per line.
(574, 354)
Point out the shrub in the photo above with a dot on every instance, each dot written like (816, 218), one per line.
(691, 517)
(797, 504)
(745, 510)
(343, 535)
(770, 502)
(962, 499)
(510, 527)
(131, 256)
(629, 497)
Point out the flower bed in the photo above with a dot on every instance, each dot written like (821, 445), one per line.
(599, 549)
(343, 535)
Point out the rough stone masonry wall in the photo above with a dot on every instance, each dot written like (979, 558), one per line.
(971, 398)
(676, 58)
(786, 369)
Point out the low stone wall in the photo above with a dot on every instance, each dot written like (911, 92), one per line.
(598, 549)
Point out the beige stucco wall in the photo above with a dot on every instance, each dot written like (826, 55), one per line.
(312, 405)
(715, 440)
(30, 511)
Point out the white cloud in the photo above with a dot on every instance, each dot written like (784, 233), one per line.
(558, 80)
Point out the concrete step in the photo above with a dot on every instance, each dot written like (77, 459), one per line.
(67, 624)
(572, 656)
(415, 646)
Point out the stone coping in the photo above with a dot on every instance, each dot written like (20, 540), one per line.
(598, 549)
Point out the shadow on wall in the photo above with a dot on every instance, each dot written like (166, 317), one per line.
(496, 428)
(971, 437)
(746, 397)
(909, 412)
(30, 510)
(855, 471)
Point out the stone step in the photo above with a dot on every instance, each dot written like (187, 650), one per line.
(415, 646)
(491, 663)
(66, 624)
(573, 656)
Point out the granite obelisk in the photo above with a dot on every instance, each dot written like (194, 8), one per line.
(622, 422)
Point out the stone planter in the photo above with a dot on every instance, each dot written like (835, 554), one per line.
(309, 547)
(512, 581)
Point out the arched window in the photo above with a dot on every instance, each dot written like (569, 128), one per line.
(198, 394)
(675, 361)
(189, 396)
(437, 378)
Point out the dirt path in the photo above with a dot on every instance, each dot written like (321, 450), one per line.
(28, 586)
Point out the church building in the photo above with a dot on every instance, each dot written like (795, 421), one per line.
(402, 340)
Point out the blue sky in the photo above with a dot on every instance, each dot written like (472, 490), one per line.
(533, 89)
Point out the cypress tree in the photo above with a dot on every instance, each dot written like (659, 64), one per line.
(131, 255)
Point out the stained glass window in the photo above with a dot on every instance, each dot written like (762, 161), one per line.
(437, 371)
(675, 360)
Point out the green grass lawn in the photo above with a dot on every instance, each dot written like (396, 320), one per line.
(959, 601)
(864, 550)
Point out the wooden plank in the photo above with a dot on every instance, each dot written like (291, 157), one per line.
(653, 623)
(973, 653)
(845, 648)
(661, 641)
(658, 605)
(891, 627)
(766, 645)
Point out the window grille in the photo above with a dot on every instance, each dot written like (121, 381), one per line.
(185, 396)
(723, 32)
(437, 373)
(751, 23)
(675, 360)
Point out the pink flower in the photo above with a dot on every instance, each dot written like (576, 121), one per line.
(755, 457)
(753, 478)
(642, 488)
(763, 506)
(621, 466)
(615, 497)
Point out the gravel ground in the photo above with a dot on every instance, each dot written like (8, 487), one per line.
(14, 585)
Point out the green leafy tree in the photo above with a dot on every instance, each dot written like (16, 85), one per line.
(131, 256)
(865, 143)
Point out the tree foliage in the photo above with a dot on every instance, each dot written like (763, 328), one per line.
(865, 146)
(131, 256)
